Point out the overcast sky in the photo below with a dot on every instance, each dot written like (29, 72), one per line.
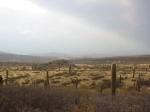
(75, 26)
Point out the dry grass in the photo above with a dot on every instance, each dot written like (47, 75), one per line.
(91, 77)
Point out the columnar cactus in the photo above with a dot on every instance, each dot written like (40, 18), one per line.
(133, 71)
(47, 78)
(7, 74)
(69, 69)
(1, 80)
(77, 82)
(138, 83)
(113, 79)
(120, 78)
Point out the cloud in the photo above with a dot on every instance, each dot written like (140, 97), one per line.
(26, 31)
(21, 5)
(125, 3)
(89, 26)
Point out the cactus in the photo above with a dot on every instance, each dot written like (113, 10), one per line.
(77, 82)
(134, 85)
(1, 80)
(120, 78)
(113, 79)
(138, 83)
(46, 83)
(133, 71)
(7, 74)
(69, 69)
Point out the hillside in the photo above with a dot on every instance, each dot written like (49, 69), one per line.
(6, 57)
(53, 64)
(119, 59)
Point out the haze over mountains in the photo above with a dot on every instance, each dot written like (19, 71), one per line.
(93, 55)
(47, 57)
(10, 57)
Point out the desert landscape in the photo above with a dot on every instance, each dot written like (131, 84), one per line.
(74, 56)
(89, 76)
(84, 79)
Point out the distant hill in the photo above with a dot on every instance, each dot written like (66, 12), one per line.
(4, 52)
(87, 58)
(53, 64)
(118, 59)
(70, 56)
(53, 54)
(8, 57)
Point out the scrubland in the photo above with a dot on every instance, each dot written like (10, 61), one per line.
(85, 88)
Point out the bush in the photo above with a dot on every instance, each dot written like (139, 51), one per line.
(56, 99)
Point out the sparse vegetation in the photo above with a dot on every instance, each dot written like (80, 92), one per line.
(86, 88)
(60, 99)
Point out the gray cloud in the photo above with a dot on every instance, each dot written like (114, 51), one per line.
(130, 20)
(78, 26)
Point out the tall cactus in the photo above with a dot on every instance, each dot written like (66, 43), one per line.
(7, 74)
(113, 79)
(6, 79)
(138, 83)
(120, 78)
(69, 69)
(47, 79)
(133, 71)
(1, 80)
(77, 82)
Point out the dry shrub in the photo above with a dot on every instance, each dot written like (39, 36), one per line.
(27, 81)
(61, 74)
(56, 78)
(92, 74)
(145, 83)
(97, 77)
(134, 80)
(65, 83)
(84, 86)
(38, 81)
(55, 99)
(36, 72)
(55, 81)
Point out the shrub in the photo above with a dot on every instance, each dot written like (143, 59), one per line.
(56, 99)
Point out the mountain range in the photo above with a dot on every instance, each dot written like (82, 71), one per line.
(47, 57)
(10, 57)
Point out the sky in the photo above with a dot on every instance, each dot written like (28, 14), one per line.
(75, 26)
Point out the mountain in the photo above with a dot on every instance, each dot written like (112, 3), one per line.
(8, 57)
(70, 56)
(117, 59)
(4, 52)
(59, 55)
